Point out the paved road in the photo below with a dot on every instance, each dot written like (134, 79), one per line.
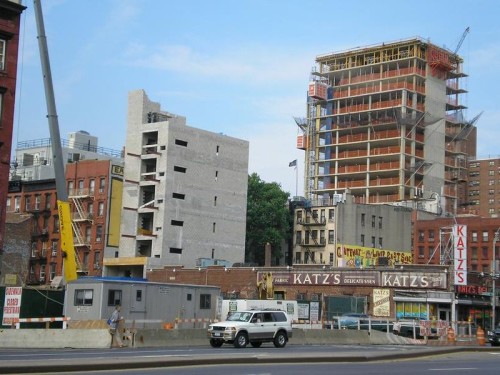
(64, 361)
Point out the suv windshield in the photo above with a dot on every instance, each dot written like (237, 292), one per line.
(239, 317)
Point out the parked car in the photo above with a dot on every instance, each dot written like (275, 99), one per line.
(352, 320)
(494, 336)
(252, 327)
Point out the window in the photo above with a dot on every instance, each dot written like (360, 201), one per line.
(205, 301)
(331, 236)
(380, 222)
(56, 224)
(138, 295)
(491, 173)
(98, 233)
(178, 196)
(100, 209)
(177, 223)
(85, 261)
(38, 200)
(485, 236)
(3, 44)
(362, 240)
(373, 221)
(54, 251)
(491, 192)
(491, 182)
(331, 215)
(484, 252)
(331, 258)
(27, 203)
(91, 186)
(179, 169)
(84, 297)
(421, 252)
(213, 227)
(217, 150)
(474, 253)
(420, 236)
(299, 216)
(88, 232)
(71, 186)
(298, 237)
(216, 175)
(431, 235)
(8, 204)
(52, 271)
(54, 246)
(175, 250)
(362, 220)
(180, 142)
(114, 297)
(491, 163)
(48, 197)
(298, 257)
(97, 259)
(380, 242)
(102, 184)
(474, 236)
(215, 201)
(34, 250)
(17, 203)
(42, 273)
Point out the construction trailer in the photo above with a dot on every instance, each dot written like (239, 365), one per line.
(141, 301)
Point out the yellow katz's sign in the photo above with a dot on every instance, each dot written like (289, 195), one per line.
(358, 256)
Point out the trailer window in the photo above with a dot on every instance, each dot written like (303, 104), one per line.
(204, 301)
(114, 297)
(84, 297)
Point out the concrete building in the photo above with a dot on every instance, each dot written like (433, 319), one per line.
(483, 190)
(387, 123)
(184, 194)
(33, 158)
(348, 234)
(10, 19)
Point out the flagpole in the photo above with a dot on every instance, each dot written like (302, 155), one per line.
(296, 181)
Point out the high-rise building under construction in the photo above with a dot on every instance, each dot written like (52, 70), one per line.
(387, 123)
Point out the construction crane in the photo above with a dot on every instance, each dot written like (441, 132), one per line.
(461, 40)
(67, 245)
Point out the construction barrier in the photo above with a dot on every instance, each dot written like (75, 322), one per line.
(47, 321)
(480, 336)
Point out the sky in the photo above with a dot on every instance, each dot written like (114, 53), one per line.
(240, 68)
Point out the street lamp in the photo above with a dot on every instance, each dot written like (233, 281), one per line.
(494, 279)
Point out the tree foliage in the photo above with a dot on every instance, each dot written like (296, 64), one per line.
(268, 218)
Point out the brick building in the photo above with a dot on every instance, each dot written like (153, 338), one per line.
(483, 191)
(36, 200)
(10, 16)
(94, 191)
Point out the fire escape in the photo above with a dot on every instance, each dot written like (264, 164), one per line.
(81, 223)
(313, 235)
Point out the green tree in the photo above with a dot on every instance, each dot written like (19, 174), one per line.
(268, 219)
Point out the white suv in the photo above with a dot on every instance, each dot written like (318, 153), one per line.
(254, 327)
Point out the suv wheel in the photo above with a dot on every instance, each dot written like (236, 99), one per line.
(241, 340)
(280, 340)
(216, 343)
(256, 344)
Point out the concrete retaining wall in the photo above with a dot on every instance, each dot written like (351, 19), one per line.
(100, 338)
(55, 338)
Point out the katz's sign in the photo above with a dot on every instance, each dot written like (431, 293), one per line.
(363, 278)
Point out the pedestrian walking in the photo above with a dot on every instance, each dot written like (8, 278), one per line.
(114, 327)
